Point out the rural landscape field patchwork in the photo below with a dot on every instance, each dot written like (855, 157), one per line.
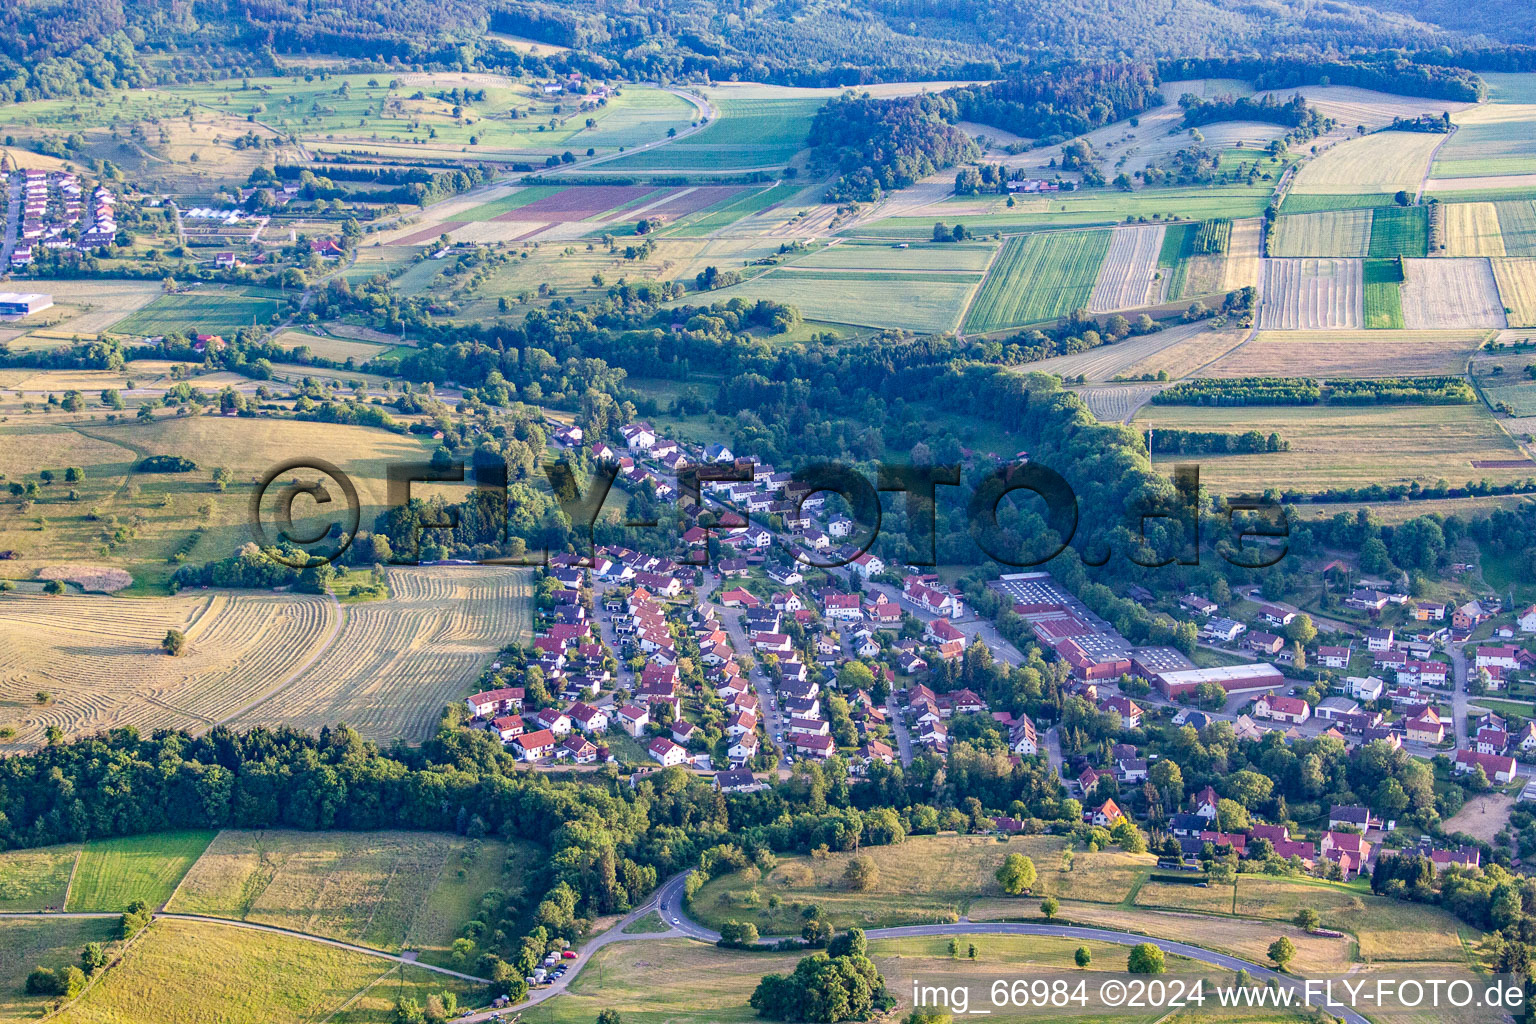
(565, 512)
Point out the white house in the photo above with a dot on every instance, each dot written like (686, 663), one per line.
(666, 753)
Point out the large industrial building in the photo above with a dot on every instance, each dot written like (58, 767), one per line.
(23, 303)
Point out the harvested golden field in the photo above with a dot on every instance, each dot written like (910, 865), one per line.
(1472, 229)
(1189, 356)
(1311, 295)
(1350, 354)
(386, 890)
(395, 664)
(84, 308)
(99, 658)
(1516, 278)
(1345, 446)
(1383, 162)
(1243, 254)
(1108, 361)
(1129, 277)
(1447, 294)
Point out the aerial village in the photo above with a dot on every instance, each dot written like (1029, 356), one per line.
(792, 646)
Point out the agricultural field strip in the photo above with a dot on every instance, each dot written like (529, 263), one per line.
(1126, 276)
(238, 643)
(1445, 293)
(398, 662)
(1036, 277)
(1310, 294)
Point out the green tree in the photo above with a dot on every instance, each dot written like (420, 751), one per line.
(609, 1017)
(93, 957)
(1145, 958)
(1083, 956)
(1282, 951)
(1017, 874)
(1307, 919)
(1049, 906)
(174, 643)
(862, 874)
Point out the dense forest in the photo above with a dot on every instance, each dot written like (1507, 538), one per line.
(879, 145)
(1062, 103)
(72, 47)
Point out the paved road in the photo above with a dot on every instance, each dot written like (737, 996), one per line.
(1459, 692)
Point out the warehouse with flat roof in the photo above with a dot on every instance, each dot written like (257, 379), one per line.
(23, 303)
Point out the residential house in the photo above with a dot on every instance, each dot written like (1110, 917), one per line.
(590, 720)
(1353, 816)
(1197, 604)
(1105, 814)
(1377, 640)
(1130, 714)
(535, 746)
(738, 780)
(634, 719)
(1491, 741)
(579, 749)
(1498, 767)
(507, 727)
(666, 753)
(1334, 657)
(1282, 709)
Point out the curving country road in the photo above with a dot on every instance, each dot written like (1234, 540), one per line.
(670, 899)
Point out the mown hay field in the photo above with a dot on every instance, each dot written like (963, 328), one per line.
(205, 309)
(1384, 162)
(387, 890)
(84, 308)
(1236, 936)
(1101, 364)
(326, 347)
(1381, 301)
(252, 978)
(395, 664)
(1340, 446)
(164, 510)
(659, 980)
(1368, 353)
(1311, 294)
(755, 132)
(1386, 929)
(918, 300)
(100, 662)
(112, 873)
(859, 255)
(1038, 277)
(925, 879)
(1129, 275)
(36, 879)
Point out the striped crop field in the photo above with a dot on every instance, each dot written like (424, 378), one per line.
(1039, 277)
